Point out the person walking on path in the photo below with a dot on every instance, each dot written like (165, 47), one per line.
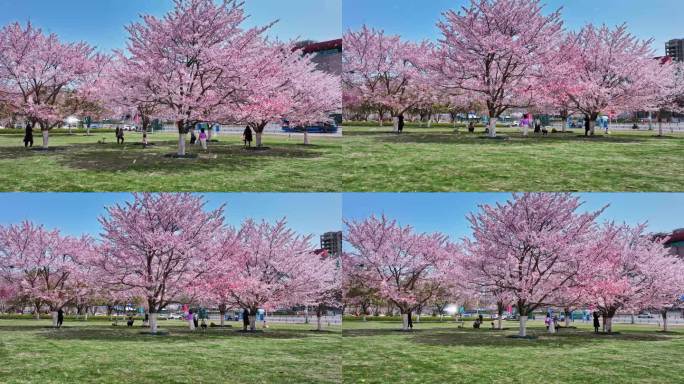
(597, 324)
(203, 138)
(247, 137)
(28, 136)
(60, 318)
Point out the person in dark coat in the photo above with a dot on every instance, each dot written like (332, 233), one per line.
(400, 125)
(119, 135)
(410, 320)
(193, 137)
(597, 324)
(60, 317)
(247, 137)
(28, 136)
(586, 127)
(245, 319)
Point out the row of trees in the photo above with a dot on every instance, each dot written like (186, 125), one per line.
(196, 64)
(498, 55)
(535, 251)
(162, 249)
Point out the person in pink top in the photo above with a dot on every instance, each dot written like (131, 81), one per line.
(203, 138)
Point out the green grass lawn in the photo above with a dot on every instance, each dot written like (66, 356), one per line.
(437, 159)
(79, 163)
(96, 352)
(375, 352)
(366, 159)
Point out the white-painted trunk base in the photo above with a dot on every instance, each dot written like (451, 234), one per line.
(492, 127)
(181, 144)
(54, 318)
(46, 138)
(552, 326)
(252, 322)
(191, 324)
(153, 322)
(395, 123)
(522, 331)
(404, 322)
(306, 137)
(258, 139)
(319, 323)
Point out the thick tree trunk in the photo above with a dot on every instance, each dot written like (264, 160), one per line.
(395, 122)
(46, 138)
(180, 124)
(608, 322)
(191, 324)
(404, 320)
(306, 314)
(258, 138)
(552, 326)
(252, 322)
(522, 330)
(54, 319)
(153, 322)
(223, 317)
(492, 126)
(306, 136)
(181, 144)
(319, 322)
(592, 127)
(664, 315)
(568, 314)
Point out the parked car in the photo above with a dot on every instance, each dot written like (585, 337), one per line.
(645, 315)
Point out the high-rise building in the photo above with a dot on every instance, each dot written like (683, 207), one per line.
(332, 242)
(675, 49)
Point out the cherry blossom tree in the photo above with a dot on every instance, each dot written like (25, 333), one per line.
(285, 85)
(194, 61)
(496, 50)
(634, 272)
(42, 77)
(272, 268)
(405, 267)
(525, 248)
(384, 71)
(669, 95)
(158, 247)
(611, 71)
(43, 265)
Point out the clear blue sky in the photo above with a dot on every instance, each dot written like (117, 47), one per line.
(445, 212)
(101, 22)
(415, 20)
(77, 213)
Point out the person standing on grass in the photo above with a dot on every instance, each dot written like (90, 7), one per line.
(191, 320)
(245, 319)
(119, 135)
(28, 136)
(203, 138)
(597, 324)
(60, 318)
(410, 320)
(400, 125)
(247, 137)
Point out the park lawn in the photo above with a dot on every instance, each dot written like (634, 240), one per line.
(376, 352)
(96, 352)
(437, 159)
(78, 163)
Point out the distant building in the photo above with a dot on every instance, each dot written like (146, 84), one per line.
(675, 49)
(327, 55)
(675, 242)
(332, 242)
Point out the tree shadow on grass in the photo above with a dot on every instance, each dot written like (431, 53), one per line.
(107, 157)
(564, 338)
(175, 334)
(507, 139)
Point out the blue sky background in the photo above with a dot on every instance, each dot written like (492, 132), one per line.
(415, 20)
(101, 22)
(77, 213)
(445, 212)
